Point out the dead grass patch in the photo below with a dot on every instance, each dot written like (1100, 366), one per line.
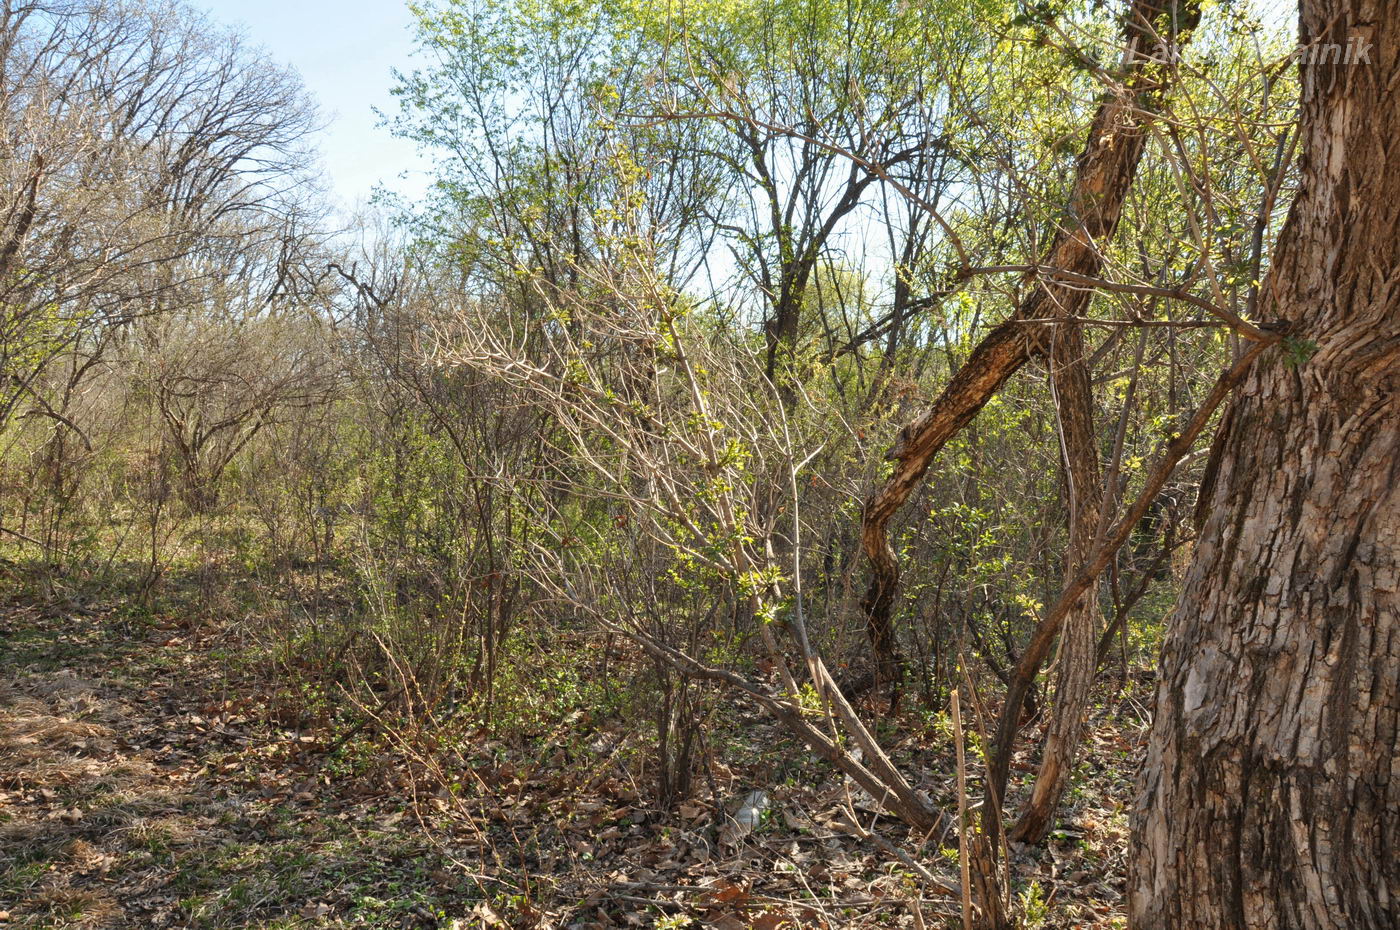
(74, 908)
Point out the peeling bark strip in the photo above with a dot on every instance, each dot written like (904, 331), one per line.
(1270, 795)
(1104, 174)
(1074, 405)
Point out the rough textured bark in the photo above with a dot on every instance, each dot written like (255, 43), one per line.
(1270, 793)
(1074, 404)
(1104, 174)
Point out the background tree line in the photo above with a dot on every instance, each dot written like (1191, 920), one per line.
(842, 359)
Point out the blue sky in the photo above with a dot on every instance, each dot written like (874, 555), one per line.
(344, 51)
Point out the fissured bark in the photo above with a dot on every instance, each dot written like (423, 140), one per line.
(1271, 789)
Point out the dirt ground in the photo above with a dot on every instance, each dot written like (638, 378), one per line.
(139, 788)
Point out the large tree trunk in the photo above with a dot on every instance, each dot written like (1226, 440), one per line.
(1270, 793)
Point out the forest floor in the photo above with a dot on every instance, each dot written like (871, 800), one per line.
(144, 785)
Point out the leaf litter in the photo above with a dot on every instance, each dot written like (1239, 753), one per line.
(133, 796)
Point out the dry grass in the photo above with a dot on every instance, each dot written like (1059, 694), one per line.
(74, 803)
(133, 794)
(120, 807)
(69, 907)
